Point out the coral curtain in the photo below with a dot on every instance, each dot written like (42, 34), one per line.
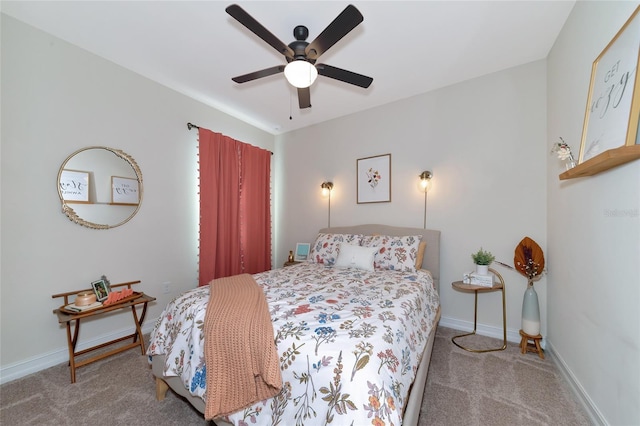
(235, 210)
(255, 209)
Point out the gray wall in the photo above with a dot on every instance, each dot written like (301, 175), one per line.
(488, 144)
(486, 140)
(593, 228)
(56, 99)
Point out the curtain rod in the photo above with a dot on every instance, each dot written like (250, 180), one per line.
(193, 126)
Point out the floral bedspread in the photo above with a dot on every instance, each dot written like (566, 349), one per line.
(350, 342)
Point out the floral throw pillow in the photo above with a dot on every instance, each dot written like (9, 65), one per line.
(326, 247)
(394, 253)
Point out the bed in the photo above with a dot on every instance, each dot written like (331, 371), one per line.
(363, 338)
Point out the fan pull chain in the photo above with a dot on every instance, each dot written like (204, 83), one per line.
(290, 107)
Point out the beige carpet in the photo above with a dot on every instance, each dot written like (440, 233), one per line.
(497, 388)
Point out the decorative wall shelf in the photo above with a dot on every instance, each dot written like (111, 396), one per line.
(602, 162)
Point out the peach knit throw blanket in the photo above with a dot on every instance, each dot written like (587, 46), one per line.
(240, 353)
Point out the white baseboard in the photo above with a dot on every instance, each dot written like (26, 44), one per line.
(41, 362)
(484, 330)
(33, 365)
(514, 336)
(590, 408)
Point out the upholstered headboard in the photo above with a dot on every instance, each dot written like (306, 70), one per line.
(431, 260)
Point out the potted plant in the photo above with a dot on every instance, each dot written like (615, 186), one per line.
(482, 258)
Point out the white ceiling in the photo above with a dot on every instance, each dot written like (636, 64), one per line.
(408, 47)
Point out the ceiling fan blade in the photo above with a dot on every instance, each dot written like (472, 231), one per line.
(256, 27)
(344, 75)
(258, 74)
(348, 19)
(304, 98)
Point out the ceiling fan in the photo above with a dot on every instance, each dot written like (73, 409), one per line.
(301, 69)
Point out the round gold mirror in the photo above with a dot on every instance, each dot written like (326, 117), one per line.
(100, 187)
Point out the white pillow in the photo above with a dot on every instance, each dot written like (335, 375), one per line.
(358, 257)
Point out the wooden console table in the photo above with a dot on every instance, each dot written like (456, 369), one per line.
(72, 338)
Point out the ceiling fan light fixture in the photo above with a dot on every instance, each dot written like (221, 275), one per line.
(300, 73)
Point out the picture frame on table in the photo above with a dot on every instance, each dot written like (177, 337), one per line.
(373, 179)
(125, 191)
(613, 102)
(302, 252)
(74, 186)
(101, 288)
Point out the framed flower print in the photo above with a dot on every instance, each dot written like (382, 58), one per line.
(374, 179)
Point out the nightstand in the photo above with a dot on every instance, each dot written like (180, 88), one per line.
(287, 263)
(497, 286)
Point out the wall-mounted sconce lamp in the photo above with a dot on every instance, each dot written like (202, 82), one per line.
(425, 183)
(425, 180)
(327, 187)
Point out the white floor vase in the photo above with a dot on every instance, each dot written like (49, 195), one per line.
(530, 311)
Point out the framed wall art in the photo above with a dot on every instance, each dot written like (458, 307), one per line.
(613, 103)
(373, 177)
(74, 186)
(124, 191)
(302, 252)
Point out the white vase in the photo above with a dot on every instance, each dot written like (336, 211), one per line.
(482, 269)
(530, 311)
